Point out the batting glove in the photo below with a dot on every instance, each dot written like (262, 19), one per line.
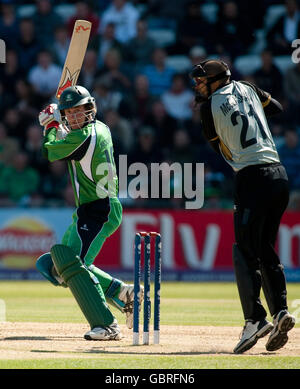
(62, 132)
(50, 116)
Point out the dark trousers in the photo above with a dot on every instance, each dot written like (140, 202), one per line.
(261, 197)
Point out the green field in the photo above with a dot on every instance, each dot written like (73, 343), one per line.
(182, 304)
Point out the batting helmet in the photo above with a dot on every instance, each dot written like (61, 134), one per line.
(74, 96)
(211, 69)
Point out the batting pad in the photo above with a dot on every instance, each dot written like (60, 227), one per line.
(83, 285)
(44, 265)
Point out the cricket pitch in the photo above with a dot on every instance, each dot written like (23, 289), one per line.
(28, 340)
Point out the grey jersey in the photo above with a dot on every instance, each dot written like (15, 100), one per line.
(241, 125)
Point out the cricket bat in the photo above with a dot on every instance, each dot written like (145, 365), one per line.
(75, 56)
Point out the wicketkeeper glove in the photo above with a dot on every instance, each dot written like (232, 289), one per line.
(199, 98)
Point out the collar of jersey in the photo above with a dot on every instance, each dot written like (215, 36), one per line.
(80, 129)
(224, 90)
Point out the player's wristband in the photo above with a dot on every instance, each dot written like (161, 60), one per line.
(52, 124)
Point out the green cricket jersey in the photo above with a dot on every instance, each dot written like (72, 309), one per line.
(89, 153)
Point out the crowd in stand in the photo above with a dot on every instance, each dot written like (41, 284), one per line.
(148, 104)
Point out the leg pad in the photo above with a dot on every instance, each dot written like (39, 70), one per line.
(44, 265)
(83, 284)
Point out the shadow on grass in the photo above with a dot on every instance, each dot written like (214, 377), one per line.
(38, 338)
(133, 352)
(153, 352)
(137, 352)
(130, 349)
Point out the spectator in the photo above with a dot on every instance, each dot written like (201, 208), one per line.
(106, 98)
(178, 99)
(105, 41)
(278, 137)
(27, 45)
(285, 30)
(125, 95)
(193, 30)
(10, 72)
(212, 179)
(215, 187)
(19, 182)
(115, 72)
(162, 123)
(33, 146)
(165, 9)
(139, 49)
(233, 30)
(9, 24)
(28, 104)
(145, 150)
(294, 203)
(14, 125)
(194, 128)
(121, 130)
(102, 5)
(60, 46)
(197, 54)
(286, 118)
(291, 83)
(255, 10)
(89, 70)
(235, 74)
(54, 183)
(124, 15)
(289, 155)
(140, 101)
(84, 11)
(68, 197)
(183, 151)
(45, 76)
(268, 76)
(3, 104)
(8, 146)
(45, 20)
(158, 73)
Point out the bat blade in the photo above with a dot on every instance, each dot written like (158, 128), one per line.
(75, 55)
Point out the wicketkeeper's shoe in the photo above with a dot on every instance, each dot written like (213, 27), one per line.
(111, 332)
(127, 296)
(283, 322)
(252, 331)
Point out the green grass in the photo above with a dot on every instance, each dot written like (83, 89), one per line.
(181, 304)
(158, 362)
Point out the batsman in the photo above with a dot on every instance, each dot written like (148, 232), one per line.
(72, 134)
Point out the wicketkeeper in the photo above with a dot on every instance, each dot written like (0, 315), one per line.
(72, 134)
(233, 115)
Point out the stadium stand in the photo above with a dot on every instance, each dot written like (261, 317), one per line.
(129, 109)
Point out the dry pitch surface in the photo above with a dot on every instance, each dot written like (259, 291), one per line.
(62, 340)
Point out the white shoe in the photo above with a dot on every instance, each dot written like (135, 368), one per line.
(127, 296)
(283, 322)
(111, 332)
(251, 333)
